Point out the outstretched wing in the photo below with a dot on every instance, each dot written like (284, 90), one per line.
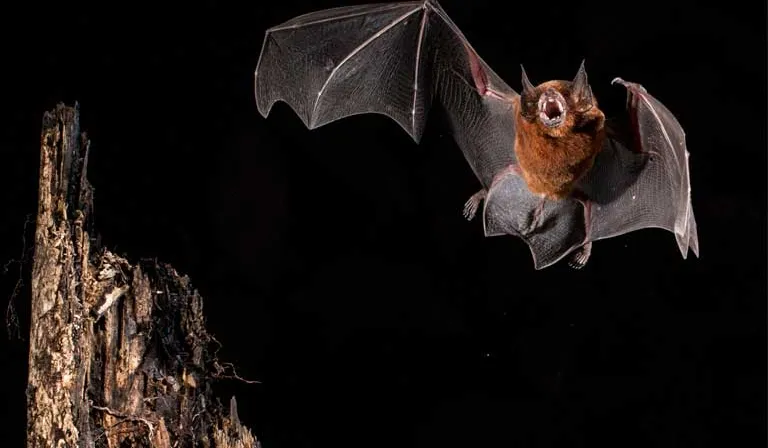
(391, 59)
(659, 195)
(638, 181)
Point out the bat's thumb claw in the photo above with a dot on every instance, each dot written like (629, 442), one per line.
(631, 86)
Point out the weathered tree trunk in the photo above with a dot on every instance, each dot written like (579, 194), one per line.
(118, 354)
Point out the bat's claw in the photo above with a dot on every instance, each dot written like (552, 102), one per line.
(473, 203)
(631, 86)
(580, 257)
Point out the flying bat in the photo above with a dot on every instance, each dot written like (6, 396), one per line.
(553, 170)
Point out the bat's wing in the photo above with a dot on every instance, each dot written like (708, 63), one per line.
(638, 181)
(392, 59)
(658, 194)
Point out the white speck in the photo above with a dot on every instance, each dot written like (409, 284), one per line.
(413, 111)
(633, 197)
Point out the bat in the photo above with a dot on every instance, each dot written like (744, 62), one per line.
(553, 170)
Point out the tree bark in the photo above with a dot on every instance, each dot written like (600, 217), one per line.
(118, 354)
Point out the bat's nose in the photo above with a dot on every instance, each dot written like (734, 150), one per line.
(550, 95)
(551, 92)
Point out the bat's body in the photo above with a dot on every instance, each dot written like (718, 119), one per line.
(552, 160)
(552, 172)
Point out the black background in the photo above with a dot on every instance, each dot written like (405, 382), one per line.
(336, 266)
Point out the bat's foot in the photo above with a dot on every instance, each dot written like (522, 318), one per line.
(473, 203)
(580, 257)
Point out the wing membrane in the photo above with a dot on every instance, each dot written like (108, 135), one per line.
(655, 173)
(391, 59)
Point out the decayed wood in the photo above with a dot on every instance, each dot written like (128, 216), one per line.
(119, 354)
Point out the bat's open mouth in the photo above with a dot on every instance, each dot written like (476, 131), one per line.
(551, 108)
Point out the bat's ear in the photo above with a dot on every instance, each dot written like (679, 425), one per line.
(528, 88)
(581, 88)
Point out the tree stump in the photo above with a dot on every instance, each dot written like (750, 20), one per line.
(118, 354)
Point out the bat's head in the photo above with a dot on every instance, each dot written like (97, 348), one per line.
(556, 106)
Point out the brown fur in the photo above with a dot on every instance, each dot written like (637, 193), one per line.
(553, 159)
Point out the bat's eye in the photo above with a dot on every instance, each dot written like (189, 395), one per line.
(528, 108)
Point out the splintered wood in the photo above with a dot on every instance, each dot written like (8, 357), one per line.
(118, 354)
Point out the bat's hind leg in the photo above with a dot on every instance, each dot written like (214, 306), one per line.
(537, 213)
(473, 203)
(580, 256)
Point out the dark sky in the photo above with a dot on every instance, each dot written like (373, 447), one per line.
(335, 263)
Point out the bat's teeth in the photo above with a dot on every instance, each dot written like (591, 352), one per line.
(552, 109)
